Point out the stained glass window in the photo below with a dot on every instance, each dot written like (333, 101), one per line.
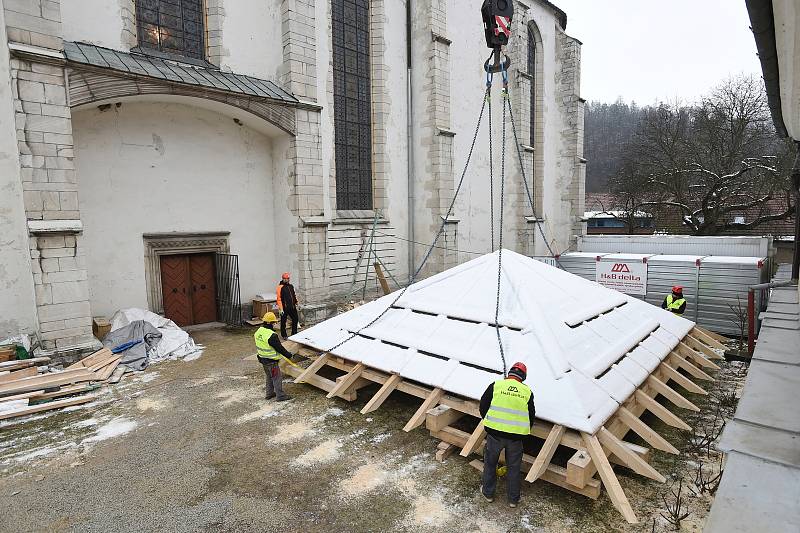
(532, 73)
(171, 26)
(351, 103)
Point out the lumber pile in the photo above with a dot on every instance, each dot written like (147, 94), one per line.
(29, 386)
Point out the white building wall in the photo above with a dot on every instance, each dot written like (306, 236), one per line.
(251, 33)
(97, 22)
(155, 168)
(17, 301)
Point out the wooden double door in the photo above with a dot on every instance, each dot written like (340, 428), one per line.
(188, 288)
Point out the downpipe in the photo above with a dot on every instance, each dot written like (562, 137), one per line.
(410, 138)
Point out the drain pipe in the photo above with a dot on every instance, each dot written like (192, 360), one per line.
(410, 140)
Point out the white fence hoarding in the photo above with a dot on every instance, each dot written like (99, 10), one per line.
(630, 278)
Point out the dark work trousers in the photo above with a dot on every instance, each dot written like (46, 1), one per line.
(491, 455)
(289, 313)
(274, 378)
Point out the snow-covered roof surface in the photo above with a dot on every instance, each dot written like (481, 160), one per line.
(587, 348)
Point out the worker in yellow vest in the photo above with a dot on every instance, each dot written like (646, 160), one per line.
(508, 412)
(269, 351)
(675, 302)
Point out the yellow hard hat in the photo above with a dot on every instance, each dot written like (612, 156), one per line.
(269, 317)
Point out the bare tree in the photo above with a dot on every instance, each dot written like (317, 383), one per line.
(709, 163)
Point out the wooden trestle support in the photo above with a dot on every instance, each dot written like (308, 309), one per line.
(594, 454)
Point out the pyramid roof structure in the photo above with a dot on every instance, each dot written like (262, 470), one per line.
(586, 347)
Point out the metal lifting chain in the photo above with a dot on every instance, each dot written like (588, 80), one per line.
(438, 233)
(500, 238)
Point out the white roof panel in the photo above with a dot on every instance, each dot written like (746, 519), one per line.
(586, 347)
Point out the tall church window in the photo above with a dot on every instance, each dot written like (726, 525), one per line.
(171, 26)
(532, 73)
(351, 103)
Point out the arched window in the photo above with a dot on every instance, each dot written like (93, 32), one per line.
(532, 73)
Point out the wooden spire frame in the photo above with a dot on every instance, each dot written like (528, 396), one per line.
(593, 455)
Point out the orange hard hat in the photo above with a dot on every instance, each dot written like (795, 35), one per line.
(677, 288)
(285, 275)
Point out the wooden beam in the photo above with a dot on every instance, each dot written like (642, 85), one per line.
(664, 414)
(554, 474)
(440, 417)
(312, 369)
(419, 417)
(546, 453)
(474, 440)
(704, 337)
(444, 450)
(17, 374)
(689, 367)
(106, 371)
(670, 394)
(319, 382)
(381, 278)
(90, 360)
(345, 383)
(386, 389)
(716, 336)
(23, 363)
(700, 347)
(631, 460)
(684, 351)
(46, 381)
(609, 479)
(58, 404)
(580, 468)
(646, 432)
(681, 380)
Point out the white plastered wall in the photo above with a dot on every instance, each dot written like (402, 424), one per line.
(17, 301)
(166, 167)
(251, 36)
(94, 21)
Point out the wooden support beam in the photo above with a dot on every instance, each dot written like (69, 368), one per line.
(670, 394)
(580, 468)
(679, 361)
(474, 440)
(716, 336)
(646, 432)
(546, 453)
(312, 369)
(17, 374)
(704, 337)
(58, 404)
(681, 380)
(664, 414)
(444, 450)
(100, 355)
(630, 459)
(386, 389)
(23, 363)
(700, 347)
(381, 278)
(319, 382)
(419, 417)
(104, 373)
(440, 417)
(684, 351)
(46, 381)
(609, 479)
(350, 379)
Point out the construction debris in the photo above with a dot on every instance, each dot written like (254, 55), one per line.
(29, 386)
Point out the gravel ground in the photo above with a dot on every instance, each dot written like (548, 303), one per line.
(189, 446)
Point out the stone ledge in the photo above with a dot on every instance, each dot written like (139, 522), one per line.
(314, 221)
(439, 38)
(37, 53)
(44, 227)
(444, 132)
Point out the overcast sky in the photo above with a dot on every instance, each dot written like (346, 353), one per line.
(650, 50)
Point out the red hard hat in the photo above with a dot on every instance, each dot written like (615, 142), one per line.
(285, 275)
(520, 366)
(677, 288)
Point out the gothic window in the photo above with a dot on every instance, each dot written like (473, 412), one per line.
(171, 26)
(351, 104)
(532, 73)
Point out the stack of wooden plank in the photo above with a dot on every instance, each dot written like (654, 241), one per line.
(24, 390)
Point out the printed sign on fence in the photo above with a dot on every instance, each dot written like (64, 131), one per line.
(630, 278)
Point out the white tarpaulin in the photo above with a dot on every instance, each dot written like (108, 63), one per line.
(175, 342)
(629, 277)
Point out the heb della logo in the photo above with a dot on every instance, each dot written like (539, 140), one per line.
(620, 267)
(512, 388)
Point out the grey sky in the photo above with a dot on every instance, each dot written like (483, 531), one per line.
(649, 50)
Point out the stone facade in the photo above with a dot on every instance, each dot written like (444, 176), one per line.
(413, 184)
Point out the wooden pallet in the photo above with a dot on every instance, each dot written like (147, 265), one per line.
(593, 454)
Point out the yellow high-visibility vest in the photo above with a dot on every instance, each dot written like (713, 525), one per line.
(509, 409)
(673, 304)
(265, 351)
